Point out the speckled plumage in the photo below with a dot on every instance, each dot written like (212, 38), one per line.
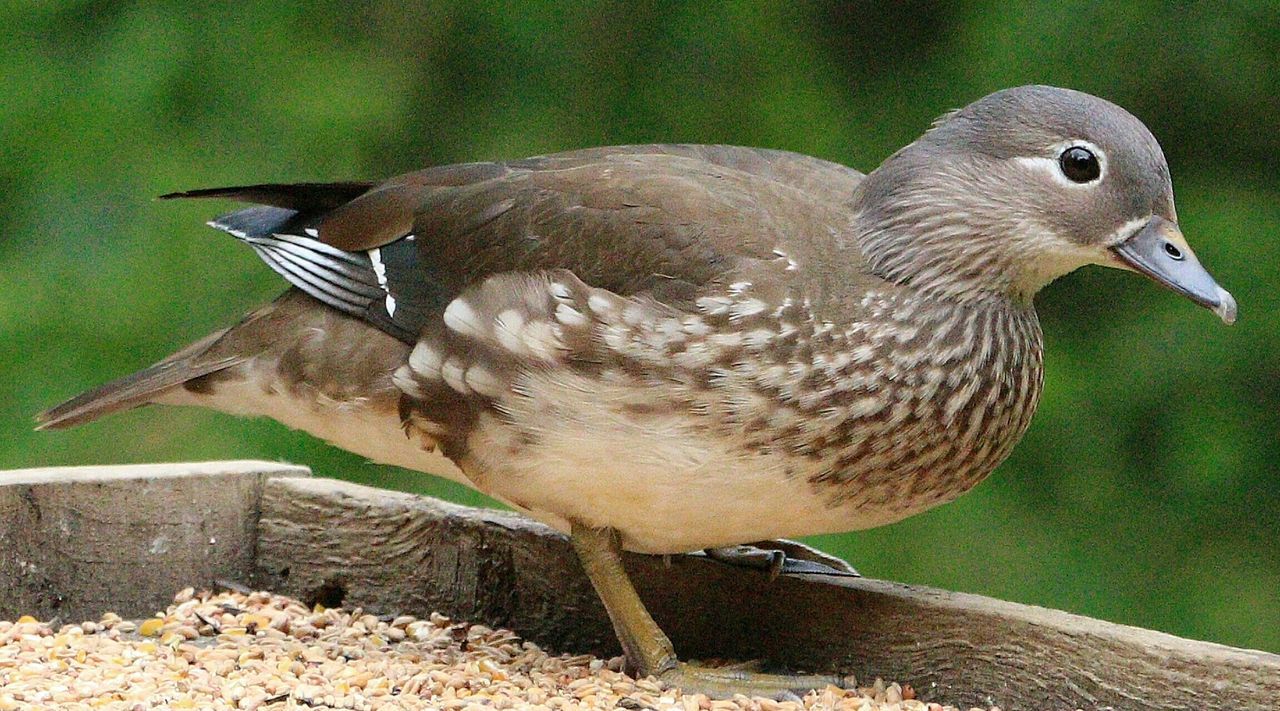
(904, 407)
(693, 345)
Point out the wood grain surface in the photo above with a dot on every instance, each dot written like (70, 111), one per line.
(78, 542)
(391, 552)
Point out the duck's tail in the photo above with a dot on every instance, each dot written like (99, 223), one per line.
(139, 388)
(280, 229)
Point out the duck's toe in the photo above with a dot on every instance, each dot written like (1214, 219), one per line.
(782, 556)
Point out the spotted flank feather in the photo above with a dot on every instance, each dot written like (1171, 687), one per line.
(505, 325)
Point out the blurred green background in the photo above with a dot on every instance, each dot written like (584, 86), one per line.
(1146, 491)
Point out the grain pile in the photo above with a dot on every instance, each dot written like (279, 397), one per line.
(263, 651)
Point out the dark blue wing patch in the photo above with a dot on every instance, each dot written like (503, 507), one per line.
(382, 286)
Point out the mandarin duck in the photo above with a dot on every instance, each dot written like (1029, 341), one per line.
(664, 348)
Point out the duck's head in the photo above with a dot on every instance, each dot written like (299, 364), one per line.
(1021, 187)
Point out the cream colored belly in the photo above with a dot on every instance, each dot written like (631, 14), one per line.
(664, 483)
(664, 490)
(662, 495)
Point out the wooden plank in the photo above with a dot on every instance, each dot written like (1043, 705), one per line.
(339, 543)
(76, 542)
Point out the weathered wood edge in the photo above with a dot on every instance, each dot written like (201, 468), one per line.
(330, 541)
(76, 542)
(135, 472)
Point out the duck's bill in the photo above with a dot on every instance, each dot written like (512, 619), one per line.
(1159, 251)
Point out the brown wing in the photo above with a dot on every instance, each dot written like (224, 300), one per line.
(549, 262)
(662, 220)
(575, 261)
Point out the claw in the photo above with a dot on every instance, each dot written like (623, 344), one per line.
(750, 665)
(725, 682)
(780, 557)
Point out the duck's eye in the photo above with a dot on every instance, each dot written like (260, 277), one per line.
(1079, 164)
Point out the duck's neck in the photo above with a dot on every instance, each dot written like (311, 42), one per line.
(923, 234)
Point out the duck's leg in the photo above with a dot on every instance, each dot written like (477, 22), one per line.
(648, 650)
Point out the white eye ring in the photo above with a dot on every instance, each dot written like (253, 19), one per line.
(1079, 164)
(1053, 166)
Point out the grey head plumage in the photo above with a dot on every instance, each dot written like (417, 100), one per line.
(1021, 187)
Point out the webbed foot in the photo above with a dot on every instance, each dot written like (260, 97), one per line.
(782, 556)
(725, 682)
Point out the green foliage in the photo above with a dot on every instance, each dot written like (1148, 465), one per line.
(1146, 491)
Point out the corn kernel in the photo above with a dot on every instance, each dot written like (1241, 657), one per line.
(151, 627)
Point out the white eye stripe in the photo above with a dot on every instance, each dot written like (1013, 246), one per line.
(1125, 231)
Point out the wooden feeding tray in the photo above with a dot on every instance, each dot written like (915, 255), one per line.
(77, 542)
